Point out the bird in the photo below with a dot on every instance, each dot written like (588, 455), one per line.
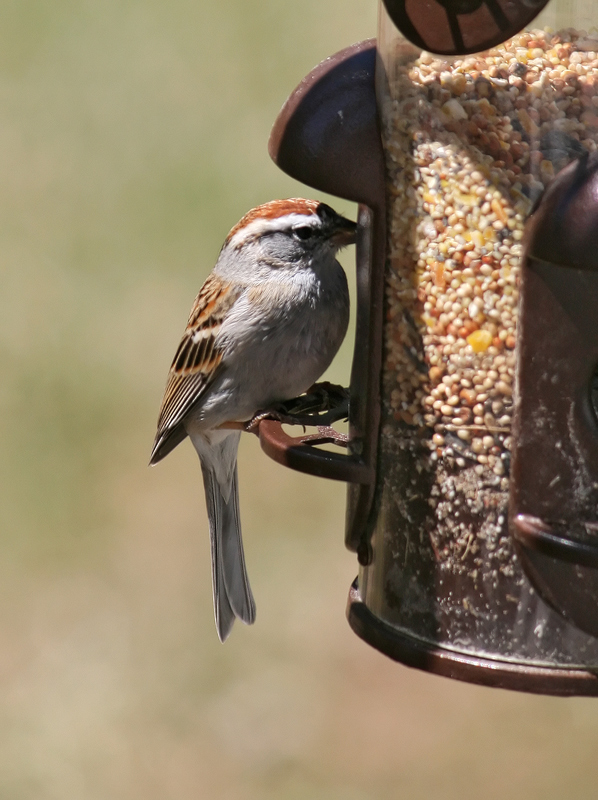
(265, 325)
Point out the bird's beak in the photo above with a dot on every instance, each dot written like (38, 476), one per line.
(344, 232)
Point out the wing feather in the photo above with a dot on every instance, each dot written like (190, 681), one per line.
(195, 362)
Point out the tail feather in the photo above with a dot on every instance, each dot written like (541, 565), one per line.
(232, 592)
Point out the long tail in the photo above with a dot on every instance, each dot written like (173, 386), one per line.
(232, 592)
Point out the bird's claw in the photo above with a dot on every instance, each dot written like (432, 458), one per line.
(323, 404)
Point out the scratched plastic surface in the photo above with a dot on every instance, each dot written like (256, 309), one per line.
(468, 593)
(470, 144)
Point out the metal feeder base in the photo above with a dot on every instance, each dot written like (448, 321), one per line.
(413, 652)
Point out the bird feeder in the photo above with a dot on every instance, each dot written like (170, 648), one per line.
(468, 136)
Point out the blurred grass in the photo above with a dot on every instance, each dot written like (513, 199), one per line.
(132, 137)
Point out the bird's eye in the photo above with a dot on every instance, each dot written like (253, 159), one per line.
(304, 233)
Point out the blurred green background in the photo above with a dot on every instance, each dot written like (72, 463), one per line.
(132, 137)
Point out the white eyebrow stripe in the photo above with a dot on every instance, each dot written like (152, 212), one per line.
(257, 227)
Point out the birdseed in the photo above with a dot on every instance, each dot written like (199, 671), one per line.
(471, 144)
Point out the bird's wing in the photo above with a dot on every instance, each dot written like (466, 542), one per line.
(195, 363)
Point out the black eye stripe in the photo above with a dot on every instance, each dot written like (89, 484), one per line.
(304, 232)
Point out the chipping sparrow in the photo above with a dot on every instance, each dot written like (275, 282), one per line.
(265, 325)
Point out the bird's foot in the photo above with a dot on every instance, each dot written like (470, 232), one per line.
(322, 404)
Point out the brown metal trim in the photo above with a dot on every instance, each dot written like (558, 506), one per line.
(365, 403)
(474, 669)
(327, 136)
(458, 27)
(327, 133)
(300, 453)
(554, 469)
(536, 535)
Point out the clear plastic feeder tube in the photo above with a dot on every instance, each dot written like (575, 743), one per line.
(471, 143)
